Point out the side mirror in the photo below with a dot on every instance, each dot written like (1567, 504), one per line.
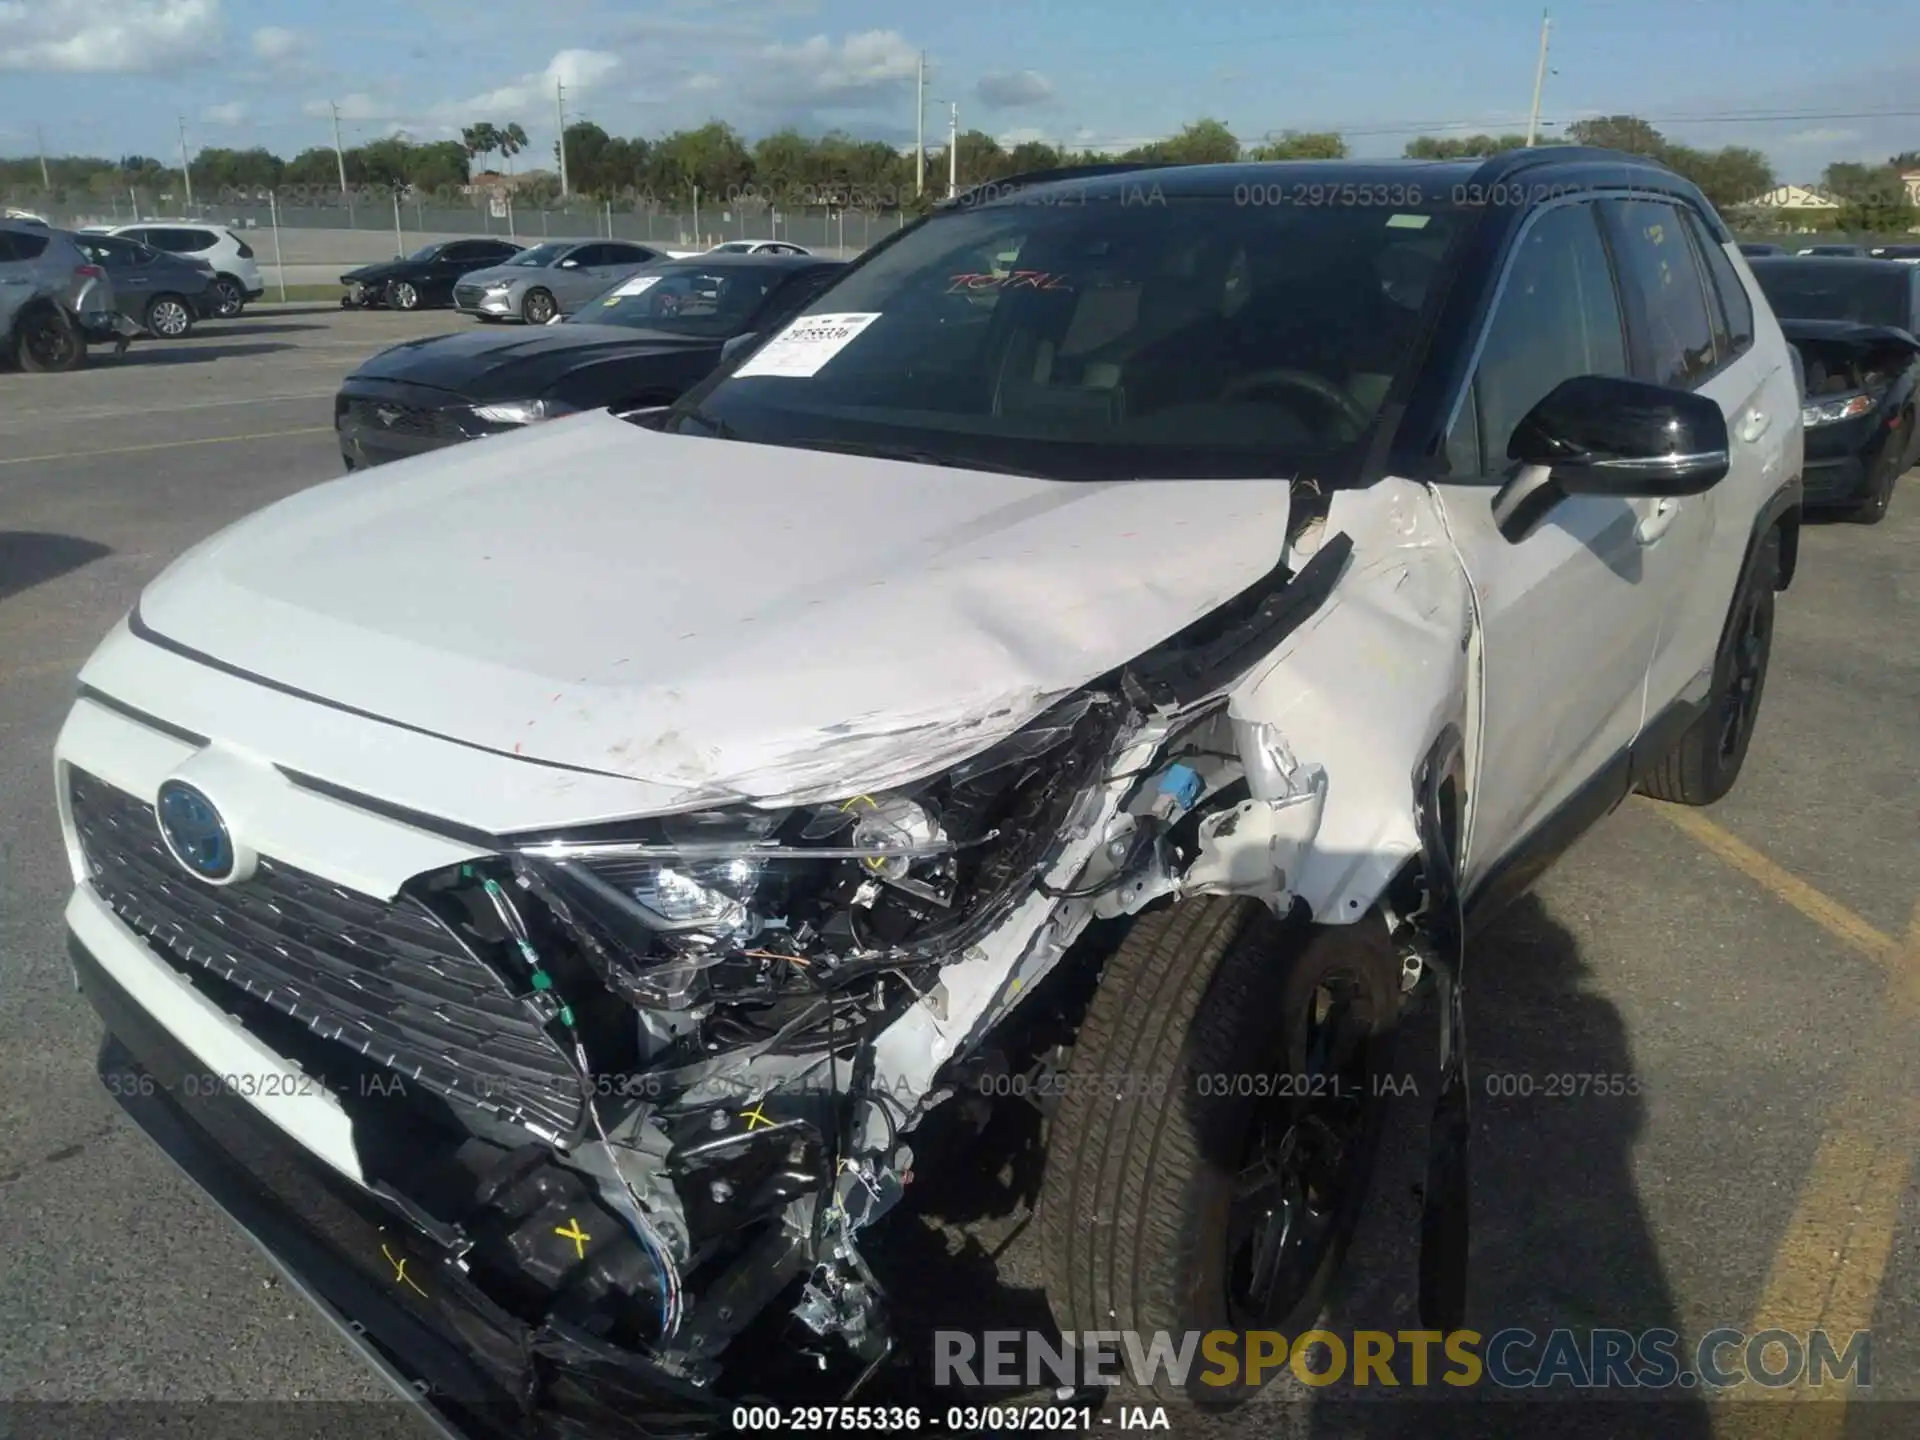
(1605, 435)
(734, 346)
(569, 263)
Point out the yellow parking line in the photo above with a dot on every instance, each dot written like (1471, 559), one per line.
(167, 445)
(1831, 1261)
(1829, 914)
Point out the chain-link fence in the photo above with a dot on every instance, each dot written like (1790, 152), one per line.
(829, 228)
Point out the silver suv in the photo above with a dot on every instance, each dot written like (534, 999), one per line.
(52, 298)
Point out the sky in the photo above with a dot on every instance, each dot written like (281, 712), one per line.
(119, 78)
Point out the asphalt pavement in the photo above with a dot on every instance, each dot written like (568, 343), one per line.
(1752, 971)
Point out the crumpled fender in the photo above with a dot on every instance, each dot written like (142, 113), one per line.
(1364, 688)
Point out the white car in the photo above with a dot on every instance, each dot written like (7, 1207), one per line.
(606, 866)
(236, 270)
(759, 247)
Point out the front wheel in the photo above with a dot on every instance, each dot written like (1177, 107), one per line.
(1211, 1152)
(538, 308)
(403, 296)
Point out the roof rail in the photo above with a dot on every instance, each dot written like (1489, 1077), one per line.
(1509, 161)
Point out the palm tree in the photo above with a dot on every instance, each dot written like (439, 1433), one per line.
(509, 142)
(480, 139)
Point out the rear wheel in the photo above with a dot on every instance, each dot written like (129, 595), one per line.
(538, 308)
(403, 296)
(233, 297)
(1702, 768)
(1209, 1160)
(169, 317)
(46, 340)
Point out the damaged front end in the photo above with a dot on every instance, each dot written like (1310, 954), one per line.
(627, 1093)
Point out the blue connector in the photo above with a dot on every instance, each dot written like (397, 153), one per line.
(1182, 785)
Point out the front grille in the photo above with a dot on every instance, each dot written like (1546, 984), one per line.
(395, 419)
(387, 980)
(468, 296)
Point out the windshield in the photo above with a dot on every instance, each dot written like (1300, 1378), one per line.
(539, 256)
(714, 302)
(1105, 336)
(427, 252)
(1864, 295)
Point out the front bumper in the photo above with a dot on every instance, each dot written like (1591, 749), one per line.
(475, 1370)
(381, 421)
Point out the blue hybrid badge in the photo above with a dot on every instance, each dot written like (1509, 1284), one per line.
(195, 834)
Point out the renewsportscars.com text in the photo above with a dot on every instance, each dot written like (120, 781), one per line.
(1515, 1359)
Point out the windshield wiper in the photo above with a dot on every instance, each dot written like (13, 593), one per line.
(719, 428)
(912, 454)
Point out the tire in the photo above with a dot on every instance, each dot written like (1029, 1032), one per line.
(1137, 1222)
(537, 307)
(1873, 509)
(402, 296)
(169, 317)
(46, 341)
(233, 297)
(1703, 767)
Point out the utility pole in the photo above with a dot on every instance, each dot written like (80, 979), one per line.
(560, 109)
(919, 130)
(1539, 79)
(40, 142)
(186, 172)
(340, 158)
(953, 149)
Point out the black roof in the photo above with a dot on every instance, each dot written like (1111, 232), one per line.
(1581, 166)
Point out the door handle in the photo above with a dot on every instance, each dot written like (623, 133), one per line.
(1655, 522)
(1754, 425)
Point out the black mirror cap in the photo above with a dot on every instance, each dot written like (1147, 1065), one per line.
(1607, 435)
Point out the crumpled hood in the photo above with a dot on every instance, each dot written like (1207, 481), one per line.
(1849, 335)
(380, 270)
(729, 620)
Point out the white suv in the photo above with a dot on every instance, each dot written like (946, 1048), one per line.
(606, 866)
(236, 271)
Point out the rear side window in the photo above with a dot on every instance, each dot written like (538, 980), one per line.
(1732, 310)
(192, 240)
(21, 245)
(1557, 318)
(1665, 298)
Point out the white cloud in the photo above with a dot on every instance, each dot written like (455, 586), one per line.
(231, 113)
(861, 67)
(1014, 89)
(1820, 137)
(358, 106)
(131, 37)
(702, 83)
(274, 42)
(578, 70)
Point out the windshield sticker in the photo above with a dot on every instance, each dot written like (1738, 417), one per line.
(799, 351)
(632, 287)
(1006, 280)
(1407, 222)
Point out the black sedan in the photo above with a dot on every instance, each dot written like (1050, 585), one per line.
(645, 341)
(162, 294)
(1854, 323)
(426, 277)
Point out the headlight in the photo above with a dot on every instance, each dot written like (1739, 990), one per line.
(522, 412)
(874, 880)
(1827, 412)
(498, 287)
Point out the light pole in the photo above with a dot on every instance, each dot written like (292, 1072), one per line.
(1539, 79)
(953, 147)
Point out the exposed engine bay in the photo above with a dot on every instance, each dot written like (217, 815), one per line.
(700, 1044)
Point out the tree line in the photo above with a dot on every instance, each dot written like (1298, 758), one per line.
(788, 168)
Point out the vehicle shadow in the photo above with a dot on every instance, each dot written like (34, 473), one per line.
(1560, 1240)
(29, 558)
(187, 352)
(209, 329)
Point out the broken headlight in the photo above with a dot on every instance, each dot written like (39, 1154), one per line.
(749, 903)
